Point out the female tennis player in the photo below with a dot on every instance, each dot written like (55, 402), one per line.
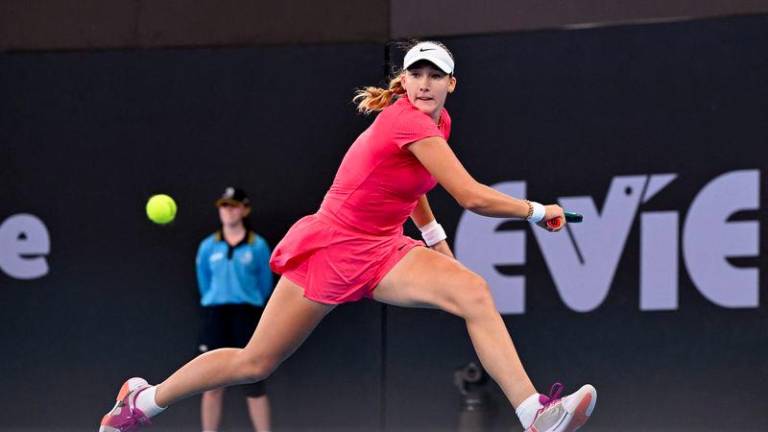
(354, 247)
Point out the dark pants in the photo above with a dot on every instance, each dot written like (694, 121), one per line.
(230, 326)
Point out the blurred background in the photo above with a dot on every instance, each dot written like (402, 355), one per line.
(651, 118)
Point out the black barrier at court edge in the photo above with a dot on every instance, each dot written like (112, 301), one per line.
(656, 133)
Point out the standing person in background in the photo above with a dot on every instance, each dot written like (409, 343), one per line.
(235, 281)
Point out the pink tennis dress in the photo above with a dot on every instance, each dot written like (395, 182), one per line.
(343, 251)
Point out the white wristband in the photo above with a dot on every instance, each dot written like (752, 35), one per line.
(433, 233)
(538, 212)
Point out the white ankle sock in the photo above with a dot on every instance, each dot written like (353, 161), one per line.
(526, 411)
(145, 401)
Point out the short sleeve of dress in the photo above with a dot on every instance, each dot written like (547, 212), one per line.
(413, 125)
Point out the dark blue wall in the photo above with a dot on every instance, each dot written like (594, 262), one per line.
(85, 138)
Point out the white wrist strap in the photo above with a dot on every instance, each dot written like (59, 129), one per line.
(432, 233)
(538, 212)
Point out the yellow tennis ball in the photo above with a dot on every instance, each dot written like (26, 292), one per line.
(161, 209)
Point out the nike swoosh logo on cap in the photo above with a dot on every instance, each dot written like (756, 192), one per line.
(426, 49)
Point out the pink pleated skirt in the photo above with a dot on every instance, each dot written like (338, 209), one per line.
(334, 263)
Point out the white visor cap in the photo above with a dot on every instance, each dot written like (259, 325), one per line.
(430, 52)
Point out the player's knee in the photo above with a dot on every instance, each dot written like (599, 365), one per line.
(254, 368)
(475, 296)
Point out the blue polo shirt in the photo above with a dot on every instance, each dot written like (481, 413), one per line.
(233, 274)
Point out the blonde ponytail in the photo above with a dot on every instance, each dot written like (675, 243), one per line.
(370, 99)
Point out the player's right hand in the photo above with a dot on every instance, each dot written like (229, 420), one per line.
(551, 213)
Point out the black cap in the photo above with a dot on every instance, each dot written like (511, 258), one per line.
(233, 195)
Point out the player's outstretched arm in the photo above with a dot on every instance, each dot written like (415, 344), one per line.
(440, 160)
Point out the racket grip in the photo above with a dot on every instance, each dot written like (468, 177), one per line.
(573, 217)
